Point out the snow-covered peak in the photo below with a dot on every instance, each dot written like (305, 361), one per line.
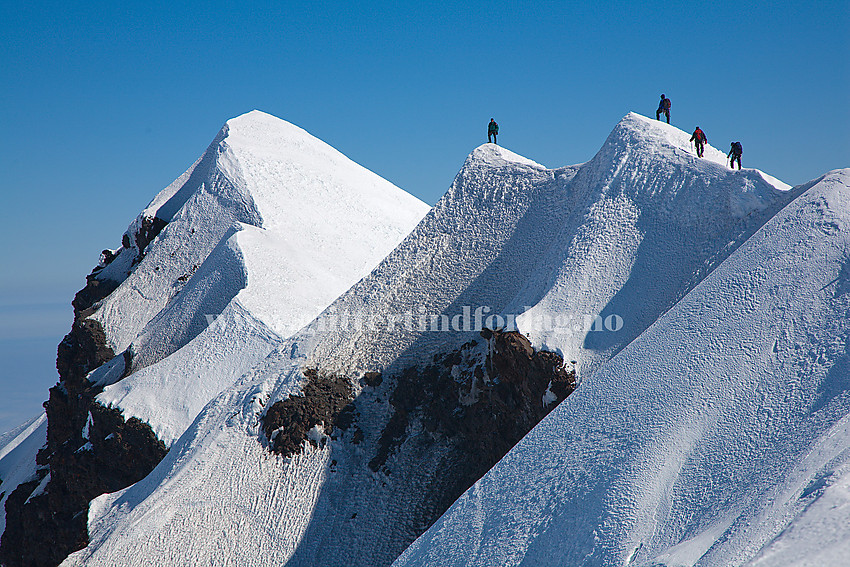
(260, 171)
(642, 131)
(493, 155)
(299, 183)
(256, 133)
(642, 134)
(266, 136)
(654, 165)
(278, 164)
(266, 229)
(646, 220)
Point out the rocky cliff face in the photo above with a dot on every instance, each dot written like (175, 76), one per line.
(90, 450)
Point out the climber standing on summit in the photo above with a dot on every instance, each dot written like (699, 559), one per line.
(663, 107)
(700, 140)
(492, 130)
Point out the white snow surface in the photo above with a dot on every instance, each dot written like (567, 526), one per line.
(18, 449)
(266, 229)
(648, 221)
(720, 436)
(817, 532)
(629, 233)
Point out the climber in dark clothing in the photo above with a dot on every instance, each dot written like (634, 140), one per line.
(735, 153)
(663, 108)
(700, 140)
(492, 130)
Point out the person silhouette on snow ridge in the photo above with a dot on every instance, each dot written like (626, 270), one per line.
(735, 153)
(700, 139)
(663, 107)
(492, 130)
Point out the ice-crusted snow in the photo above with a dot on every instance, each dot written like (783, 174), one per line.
(626, 234)
(630, 234)
(18, 448)
(817, 532)
(266, 229)
(651, 219)
(720, 436)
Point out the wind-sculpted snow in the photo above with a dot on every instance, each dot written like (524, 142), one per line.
(263, 172)
(718, 437)
(247, 246)
(652, 220)
(264, 231)
(625, 236)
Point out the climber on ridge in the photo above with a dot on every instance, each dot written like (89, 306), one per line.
(700, 139)
(735, 153)
(492, 130)
(663, 107)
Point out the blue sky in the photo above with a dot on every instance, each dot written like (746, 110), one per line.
(106, 103)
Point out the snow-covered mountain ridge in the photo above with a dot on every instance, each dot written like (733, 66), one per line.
(248, 245)
(311, 223)
(341, 440)
(709, 440)
(508, 233)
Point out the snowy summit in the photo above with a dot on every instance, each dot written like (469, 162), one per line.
(265, 230)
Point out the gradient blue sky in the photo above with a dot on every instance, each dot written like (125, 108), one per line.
(105, 103)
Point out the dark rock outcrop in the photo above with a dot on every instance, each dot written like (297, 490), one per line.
(485, 407)
(95, 290)
(49, 526)
(90, 449)
(150, 229)
(326, 401)
(98, 287)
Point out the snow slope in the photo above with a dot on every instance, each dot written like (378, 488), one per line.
(653, 220)
(264, 172)
(260, 493)
(720, 436)
(628, 234)
(817, 532)
(264, 231)
(18, 448)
